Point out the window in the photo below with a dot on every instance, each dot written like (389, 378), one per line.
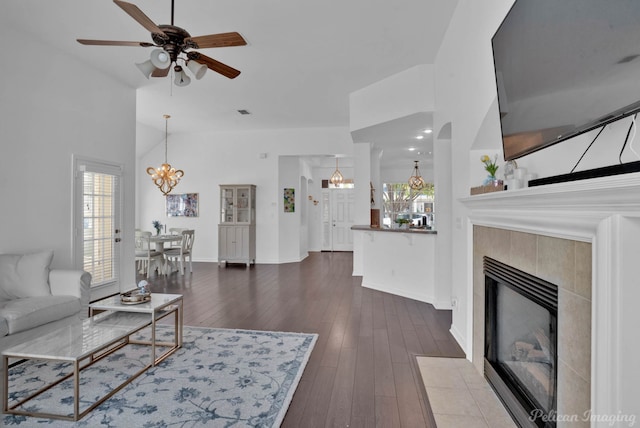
(400, 202)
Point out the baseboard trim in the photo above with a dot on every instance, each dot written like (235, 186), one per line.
(415, 296)
(460, 339)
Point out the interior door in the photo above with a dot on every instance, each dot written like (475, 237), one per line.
(342, 216)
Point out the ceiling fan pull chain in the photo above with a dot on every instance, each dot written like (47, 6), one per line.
(171, 82)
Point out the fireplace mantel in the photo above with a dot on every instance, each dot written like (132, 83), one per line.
(613, 193)
(605, 212)
(565, 210)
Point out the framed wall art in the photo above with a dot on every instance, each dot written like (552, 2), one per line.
(182, 205)
(289, 200)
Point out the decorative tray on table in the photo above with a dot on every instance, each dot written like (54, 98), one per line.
(134, 297)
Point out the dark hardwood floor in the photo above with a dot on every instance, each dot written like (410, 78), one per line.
(362, 372)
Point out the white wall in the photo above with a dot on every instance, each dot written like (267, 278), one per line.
(401, 175)
(444, 257)
(465, 105)
(289, 223)
(211, 159)
(362, 178)
(400, 95)
(314, 189)
(45, 117)
(561, 158)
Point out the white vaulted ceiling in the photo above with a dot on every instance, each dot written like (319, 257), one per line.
(302, 61)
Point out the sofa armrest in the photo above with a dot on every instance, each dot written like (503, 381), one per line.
(71, 282)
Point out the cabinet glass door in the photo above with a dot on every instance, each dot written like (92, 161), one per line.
(226, 204)
(243, 204)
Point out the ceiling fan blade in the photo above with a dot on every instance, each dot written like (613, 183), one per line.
(217, 40)
(160, 72)
(113, 43)
(214, 65)
(139, 16)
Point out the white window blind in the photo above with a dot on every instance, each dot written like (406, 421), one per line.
(99, 225)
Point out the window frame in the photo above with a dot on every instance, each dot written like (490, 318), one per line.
(409, 198)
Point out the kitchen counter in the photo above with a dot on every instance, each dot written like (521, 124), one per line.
(400, 230)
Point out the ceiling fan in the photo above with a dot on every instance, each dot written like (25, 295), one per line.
(173, 42)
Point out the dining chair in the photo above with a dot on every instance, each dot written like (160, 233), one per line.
(180, 254)
(175, 231)
(145, 255)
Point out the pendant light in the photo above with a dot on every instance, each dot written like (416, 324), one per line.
(337, 178)
(165, 177)
(416, 182)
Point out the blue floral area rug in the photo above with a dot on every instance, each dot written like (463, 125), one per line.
(219, 378)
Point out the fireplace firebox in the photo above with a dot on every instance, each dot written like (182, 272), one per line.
(521, 342)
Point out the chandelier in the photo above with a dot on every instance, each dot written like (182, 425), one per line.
(336, 178)
(416, 182)
(165, 177)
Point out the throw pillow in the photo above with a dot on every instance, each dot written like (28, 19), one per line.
(25, 275)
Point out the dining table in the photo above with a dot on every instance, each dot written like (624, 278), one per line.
(160, 240)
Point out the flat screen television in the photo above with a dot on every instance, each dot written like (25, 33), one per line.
(565, 67)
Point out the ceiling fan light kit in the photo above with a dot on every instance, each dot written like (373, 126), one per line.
(175, 44)
(160, 59)
(198, 70)
(181, 77)
(146, 68)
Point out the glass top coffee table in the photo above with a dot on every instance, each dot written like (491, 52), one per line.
(157, 308)
(87, 341)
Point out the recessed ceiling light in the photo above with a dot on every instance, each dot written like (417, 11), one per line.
(428, 131)
(411, 149)
(419, 137)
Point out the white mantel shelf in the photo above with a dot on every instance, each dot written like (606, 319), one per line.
(606, 212)
(565, 210)
(614, 193)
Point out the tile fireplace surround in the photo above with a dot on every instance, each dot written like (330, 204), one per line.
(583, 236)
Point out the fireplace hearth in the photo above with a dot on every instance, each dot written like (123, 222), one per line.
(521, 342)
